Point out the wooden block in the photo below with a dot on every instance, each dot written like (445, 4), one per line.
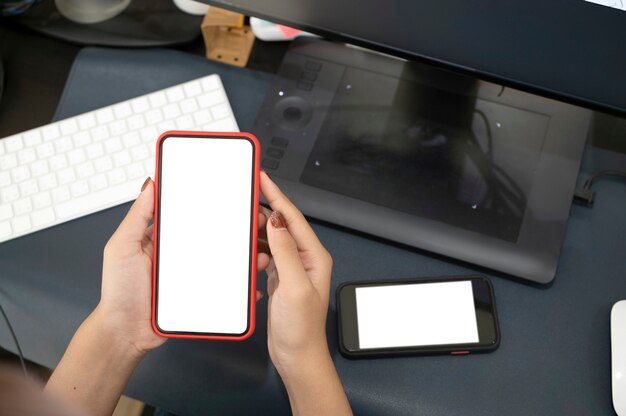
(220, 17)
(228, 45)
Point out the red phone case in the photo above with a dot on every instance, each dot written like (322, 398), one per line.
(255, 216)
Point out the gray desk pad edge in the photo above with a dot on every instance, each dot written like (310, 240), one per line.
(555, 352)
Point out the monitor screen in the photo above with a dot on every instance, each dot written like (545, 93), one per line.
(567, 49)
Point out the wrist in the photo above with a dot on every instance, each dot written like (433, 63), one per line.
(305, 365)
(112, 341)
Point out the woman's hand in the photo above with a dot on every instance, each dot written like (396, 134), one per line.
(125, 301)
(298, 287)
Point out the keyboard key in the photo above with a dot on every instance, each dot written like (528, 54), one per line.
(210, 83)
(8, 161)
(104, 115)
(166, 125)
(5, 179)
(61, 194)
(20, 173)
(139, 152)
(131, 139)
(42, 200)
(85, 170)
(210, 99)
(192, 89)
(157, 99)
(103, 164)
(5, 229)
(174, 94)
(118, 127)
(48, 181)
(112, 145)
(312, 66)
(154, 116)
(136, 122)
(116, 176)
(26, 156)
(149, 134)
(140, 105)
(79, 188)
(121, 159)
(29, 187)
(269, 163)
(202, 117)
(13, 143)
(184, 122)
(21, 224)
(63, 144)
(122, 110)
(99, 133)
(98, 182)
(86, 121)
(50, 132)
(171, 111)
(58, 162)
(45, 150)
(23, 206)
(9, 194)
(43, 217)
(39, 167)
(81, 139)
(189, 106)
(76, 156)
(220, 111)
(68, 127)
(94, 150)
(134, 171)
(6, 212)
(66, 176)
(32, 138)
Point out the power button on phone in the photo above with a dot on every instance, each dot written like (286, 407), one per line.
(459, 352)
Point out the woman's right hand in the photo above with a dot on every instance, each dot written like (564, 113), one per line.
(299, 287)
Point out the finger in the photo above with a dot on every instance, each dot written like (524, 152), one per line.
(263, 260)
(259, 295)
(298, 226)
(284, 250)
(133, 227)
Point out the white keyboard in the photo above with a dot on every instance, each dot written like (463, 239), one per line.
(84, 164)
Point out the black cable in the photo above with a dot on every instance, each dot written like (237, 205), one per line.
(585, 193)
(17, 344)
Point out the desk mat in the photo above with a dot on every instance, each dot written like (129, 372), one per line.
(555, 353)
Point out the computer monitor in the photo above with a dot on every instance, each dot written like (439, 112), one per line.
(571, 50)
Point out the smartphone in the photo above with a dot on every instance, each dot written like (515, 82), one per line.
(452, 315)
(205, 235)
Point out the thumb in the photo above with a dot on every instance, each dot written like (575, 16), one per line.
(284, 249)
(133, 227)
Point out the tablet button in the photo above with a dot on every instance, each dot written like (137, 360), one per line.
(275, 153)
(270, 164)
(279, 142)
(312, 66)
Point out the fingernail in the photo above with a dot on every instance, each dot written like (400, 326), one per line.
(277, 220)
(145, 183)
(268, 175)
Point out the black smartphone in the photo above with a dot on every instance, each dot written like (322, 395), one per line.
(448, 315)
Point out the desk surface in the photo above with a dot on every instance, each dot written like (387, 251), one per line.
(555, 352)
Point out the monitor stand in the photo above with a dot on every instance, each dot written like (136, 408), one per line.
(424, 156)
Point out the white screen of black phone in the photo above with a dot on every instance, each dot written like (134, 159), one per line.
(204, 235)
(416, 315)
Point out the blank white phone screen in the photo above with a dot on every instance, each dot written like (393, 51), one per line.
(204, 235)
(416, 315)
